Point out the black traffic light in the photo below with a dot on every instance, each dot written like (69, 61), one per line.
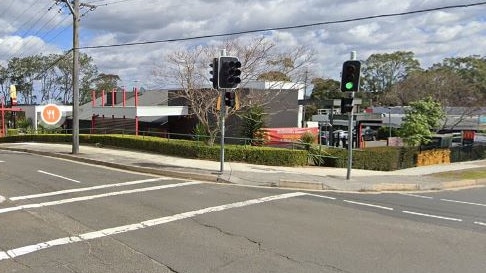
(350, 76)
(230, 98)
(214, 73)
(346, 105)
(229, 72)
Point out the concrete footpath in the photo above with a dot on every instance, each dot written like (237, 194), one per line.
(306, 178)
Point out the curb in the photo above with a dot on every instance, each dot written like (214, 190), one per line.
(306, 185)
(395, 187)
(164, 172)
(282, 183)
(463, 183)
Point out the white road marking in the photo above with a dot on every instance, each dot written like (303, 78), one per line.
(2, 199)
(91, 197)
(368, 205)
(322, 196)
(462, 202)
(432, 216)
(59, 176)
(10, 254)
(1, 161)
(32, 196)
(480, 223)
(416, 195)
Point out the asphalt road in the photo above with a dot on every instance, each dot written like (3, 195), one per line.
(62, 216)
(463, 209)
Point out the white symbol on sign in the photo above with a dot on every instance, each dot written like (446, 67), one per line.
(51, 114)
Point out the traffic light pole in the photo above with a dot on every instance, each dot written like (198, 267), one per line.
(222, 117)
(226, 73)
(350, 140)
(350, 130)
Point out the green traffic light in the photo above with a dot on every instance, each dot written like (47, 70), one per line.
(349, 85)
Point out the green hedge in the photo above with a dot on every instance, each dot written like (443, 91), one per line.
(374, 158)
(180, 148)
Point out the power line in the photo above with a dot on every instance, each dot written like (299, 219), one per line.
(22, 26)
(7, 8)
(109, 3)
(31, 30)
(289, 27)
(49, 28)
(51, 65)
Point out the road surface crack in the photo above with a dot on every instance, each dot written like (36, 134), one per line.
(329, 268)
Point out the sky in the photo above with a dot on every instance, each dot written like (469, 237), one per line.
(31, 27)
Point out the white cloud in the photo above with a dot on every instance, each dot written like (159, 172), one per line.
(433, 36)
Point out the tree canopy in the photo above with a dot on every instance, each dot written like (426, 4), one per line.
(381, 71)
(421, 119)
(42, 79)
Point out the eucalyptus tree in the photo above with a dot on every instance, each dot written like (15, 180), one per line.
(471, 69)
(64, 81)
(381, 71)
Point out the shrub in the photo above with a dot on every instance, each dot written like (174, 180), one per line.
(180, 148)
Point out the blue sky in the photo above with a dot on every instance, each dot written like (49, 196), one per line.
(42, 27)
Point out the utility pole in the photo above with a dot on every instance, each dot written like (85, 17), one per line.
(74, 7)
(303, 106)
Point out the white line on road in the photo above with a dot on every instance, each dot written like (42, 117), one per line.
(32, 196)
(10, 254)
(59, 176)
(416, 195)
(462, 202)
(445, 200)
(91, 197)
(368, 205)
(322, 196)
(480, 223)
(432, 216)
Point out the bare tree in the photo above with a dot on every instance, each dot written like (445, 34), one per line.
(188, 71)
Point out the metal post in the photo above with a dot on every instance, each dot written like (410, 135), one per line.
(350, 141)
(222, 117)
(331, 129)
(389, 123)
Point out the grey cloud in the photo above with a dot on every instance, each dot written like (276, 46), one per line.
(432, 36)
